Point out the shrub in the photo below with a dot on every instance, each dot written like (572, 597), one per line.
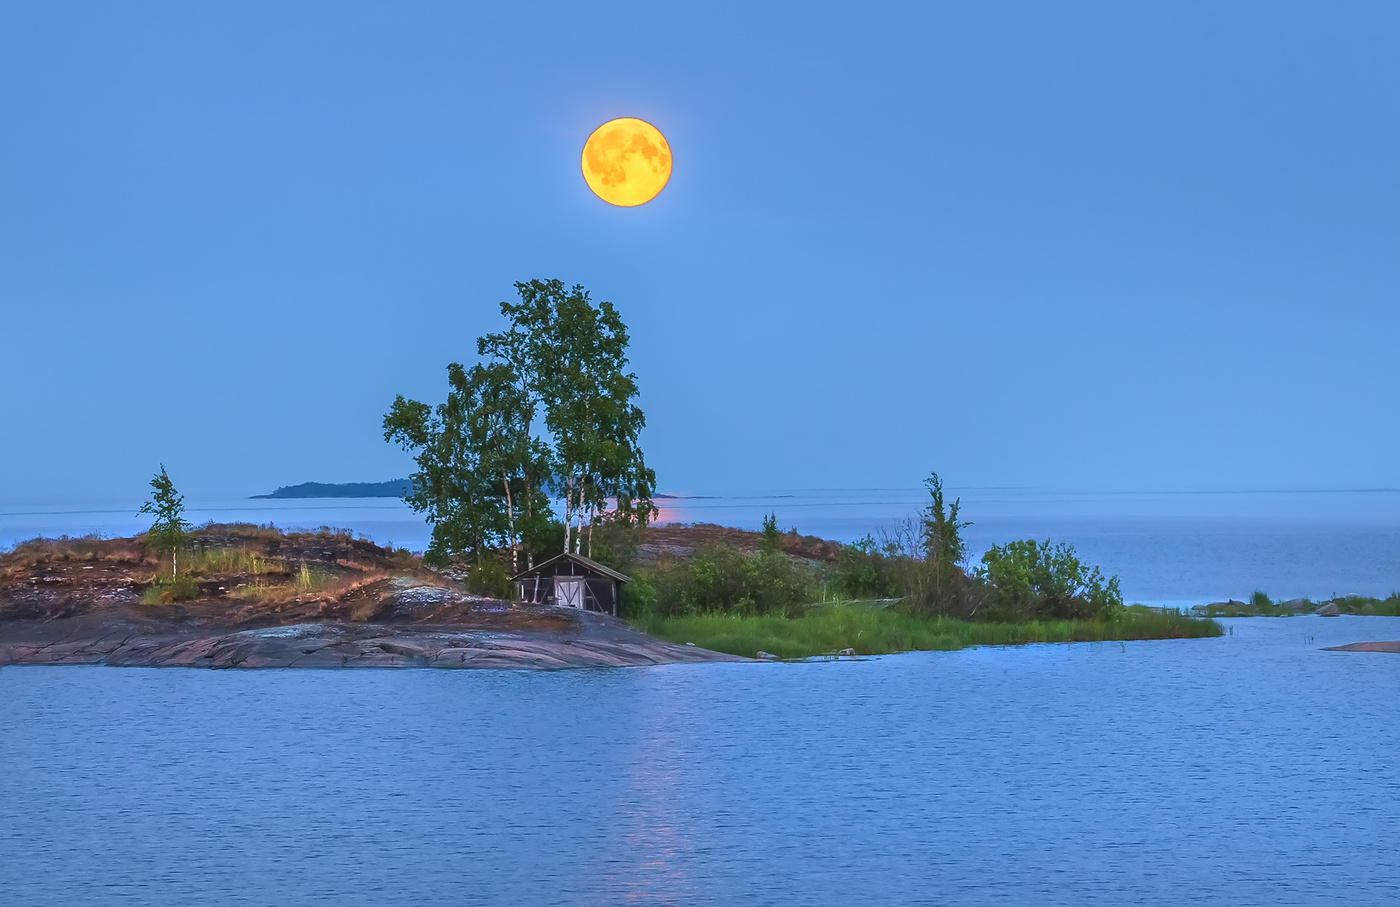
(165, 590)
(638, 597)
(929, 556)
(489, 578)
(1029, 580)
(772, 538)
(720, 580)
(863, 571)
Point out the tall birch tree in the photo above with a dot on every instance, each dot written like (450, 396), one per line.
(551, 410)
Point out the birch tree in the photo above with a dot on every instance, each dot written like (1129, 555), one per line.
(454, 483)
(552, 409)
(592, 415)
(169, 531)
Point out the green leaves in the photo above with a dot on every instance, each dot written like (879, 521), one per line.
(1029, 580)
(720, 580)
(168, 532)
(552, 409)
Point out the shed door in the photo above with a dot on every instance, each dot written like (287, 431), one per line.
(568, 591)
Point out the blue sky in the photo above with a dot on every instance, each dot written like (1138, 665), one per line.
(1095, 246)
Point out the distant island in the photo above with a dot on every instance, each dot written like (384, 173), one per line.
(395, 488)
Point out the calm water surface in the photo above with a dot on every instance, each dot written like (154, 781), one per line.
(1252, 769)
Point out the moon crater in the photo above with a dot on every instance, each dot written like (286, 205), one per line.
(626, 162)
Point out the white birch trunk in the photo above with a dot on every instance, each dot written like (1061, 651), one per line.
(510, 522)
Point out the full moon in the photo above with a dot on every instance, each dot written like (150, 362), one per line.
(626, 162)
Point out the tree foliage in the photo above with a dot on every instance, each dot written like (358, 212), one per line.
(169, 531)
(929, 556)
(865, 570)
(1029, 580)
(550, 411)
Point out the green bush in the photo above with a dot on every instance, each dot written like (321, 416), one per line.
(930, 555)
(1029, 580)
(489, 578)
(862, 571)
(772, 538)
(720, 580)
(638, 597)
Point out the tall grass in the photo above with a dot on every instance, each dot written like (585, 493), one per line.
(309, 580)
(879, 631)
(306, 580)
(71, 548)
(231, 560)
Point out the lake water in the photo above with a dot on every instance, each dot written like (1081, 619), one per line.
(1169, 549)
(1251, 769)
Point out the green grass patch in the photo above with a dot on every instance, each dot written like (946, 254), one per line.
(230, 560)
(165, 590)
(879, 631)
(308, 579)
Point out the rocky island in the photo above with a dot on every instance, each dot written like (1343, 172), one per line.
(255, 597)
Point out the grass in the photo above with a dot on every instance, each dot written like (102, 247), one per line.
(305, 580)
(230, 560)
(166, 590)
(88, 549)
(878, 631)
(308, 581)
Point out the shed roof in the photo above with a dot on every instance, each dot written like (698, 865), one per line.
(586, 562)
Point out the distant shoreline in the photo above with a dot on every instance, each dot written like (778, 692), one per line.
(394, 488)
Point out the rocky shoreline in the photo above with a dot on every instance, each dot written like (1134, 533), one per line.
(585, 639)
(261, 598)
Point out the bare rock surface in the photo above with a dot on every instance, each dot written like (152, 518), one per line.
(1392, 647)
(578, 639)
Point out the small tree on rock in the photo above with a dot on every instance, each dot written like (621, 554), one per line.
(168, 508)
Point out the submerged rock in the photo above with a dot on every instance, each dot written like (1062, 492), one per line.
(1391, 647)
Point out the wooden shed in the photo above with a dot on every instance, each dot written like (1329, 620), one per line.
(571, 581)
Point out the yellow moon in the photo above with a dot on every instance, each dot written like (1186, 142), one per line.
(626, 162)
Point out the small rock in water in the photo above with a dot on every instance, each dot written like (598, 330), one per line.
(763, 654)
(1329, 610)
(847, 652)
